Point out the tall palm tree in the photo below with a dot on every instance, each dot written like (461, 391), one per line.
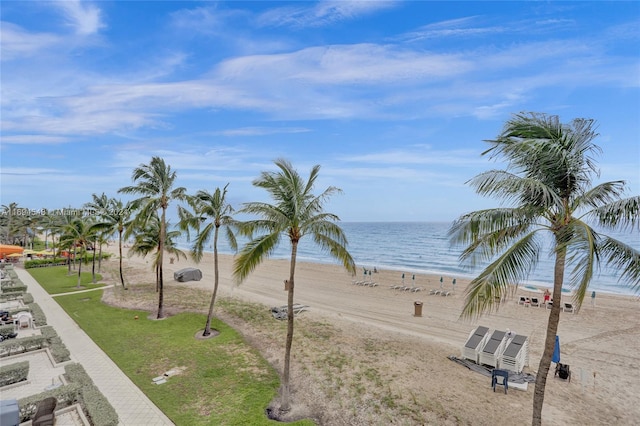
(146, 241)
(296, 213)
(155, 185)
(548, 180)
(119, 216)
(79, 234)
(215, 209)
(99, 207)
(116, 216)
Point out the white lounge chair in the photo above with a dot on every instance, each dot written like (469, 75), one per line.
(475, 343)
(492, 351)
(516, 354)
(568, 307)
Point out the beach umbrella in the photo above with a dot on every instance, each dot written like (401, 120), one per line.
(556, 351)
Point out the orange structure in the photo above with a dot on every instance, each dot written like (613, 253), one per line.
(6, 250)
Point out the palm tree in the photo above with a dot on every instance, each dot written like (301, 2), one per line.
(59, 226)
(295, 213)
(146, 241)
(99, 207)
(548, 181)
(119, 216)
(79, 233)
(212, 207)
(155, 183)
(116, 217)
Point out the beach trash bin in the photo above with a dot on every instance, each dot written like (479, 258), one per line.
(417, 306)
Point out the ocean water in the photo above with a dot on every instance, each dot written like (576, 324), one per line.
(423, 247)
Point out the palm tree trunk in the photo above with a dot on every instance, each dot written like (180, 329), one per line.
(286, 403)
(160, 294)
(120, 253)
(207, 327)
(163, 225)
(79, 271)
(550, 341)
(93, 265)
(100, 258)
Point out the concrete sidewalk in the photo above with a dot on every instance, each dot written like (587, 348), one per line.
(133, 406)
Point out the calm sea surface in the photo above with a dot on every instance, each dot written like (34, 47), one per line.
(423, 247)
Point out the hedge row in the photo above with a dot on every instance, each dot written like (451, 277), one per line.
(14, 288)
(14, 373)
(14, 295)
(58, 350)
(65, 395)
(38, 263)
(39, 318)
(21, 345)
(97, 408)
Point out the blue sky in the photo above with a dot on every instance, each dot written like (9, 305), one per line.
(392, 99)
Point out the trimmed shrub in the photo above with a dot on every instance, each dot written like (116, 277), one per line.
(5, 330)
(21, 345)
(96, 407)
(65, 395)
(58, 350)
(27, 298)
(14, 373)
(39, 263)
(39, 318)
(14, 295)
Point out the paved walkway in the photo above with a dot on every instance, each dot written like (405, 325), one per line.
(133, 406)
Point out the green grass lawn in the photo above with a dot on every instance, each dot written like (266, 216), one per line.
(55, 280)
(226, 382)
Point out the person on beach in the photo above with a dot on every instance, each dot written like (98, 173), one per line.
(547, 296)
(593, 299)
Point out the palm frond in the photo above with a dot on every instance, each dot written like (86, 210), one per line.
(621, 214)
(494, 283)
(253, 253)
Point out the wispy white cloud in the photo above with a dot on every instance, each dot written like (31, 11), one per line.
(84, 17)
(321, 13)
(16, 42)
(261, 131)
(34, 139)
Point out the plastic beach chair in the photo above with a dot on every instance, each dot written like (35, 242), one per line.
(496, 375)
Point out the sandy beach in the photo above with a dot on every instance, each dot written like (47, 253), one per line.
(601, 344)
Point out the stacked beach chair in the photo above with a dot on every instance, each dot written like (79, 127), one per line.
(516, 354)
(498, 349)
(475, 343)
(492, 351)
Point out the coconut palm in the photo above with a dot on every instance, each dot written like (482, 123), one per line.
(296, 213)
(99, 207)
(548, 182)
(79, 234)
(117, 217)
(146, 241)
(214, 209)
(155, 185)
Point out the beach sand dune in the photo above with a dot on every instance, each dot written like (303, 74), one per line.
(601, 344)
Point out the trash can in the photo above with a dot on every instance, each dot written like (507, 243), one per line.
(418, 309)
